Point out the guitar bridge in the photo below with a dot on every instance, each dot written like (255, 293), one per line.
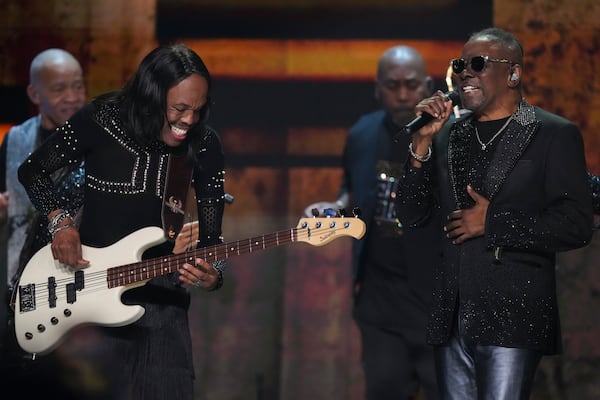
(27, 298)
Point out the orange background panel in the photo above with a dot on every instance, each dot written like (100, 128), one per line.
(4, 129)
(311, 59)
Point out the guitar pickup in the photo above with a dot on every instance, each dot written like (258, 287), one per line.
(27, 298)
(73, 287)
(79, 280)
(52, 292)
(71, 295)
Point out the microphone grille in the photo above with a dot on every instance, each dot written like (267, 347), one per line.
(454, 98)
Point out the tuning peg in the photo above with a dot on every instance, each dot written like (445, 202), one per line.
(342, 212)
(329, 212)
(356, 212)
(314, 212)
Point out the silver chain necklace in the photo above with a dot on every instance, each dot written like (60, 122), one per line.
(485, 145)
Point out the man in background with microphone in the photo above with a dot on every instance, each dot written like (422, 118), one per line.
(510, 180)
(391, 269)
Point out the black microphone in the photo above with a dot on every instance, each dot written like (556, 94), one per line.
(424, 118)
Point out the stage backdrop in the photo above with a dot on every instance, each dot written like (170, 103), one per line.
(289, 79)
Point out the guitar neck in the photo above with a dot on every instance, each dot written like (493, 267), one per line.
(154, 267)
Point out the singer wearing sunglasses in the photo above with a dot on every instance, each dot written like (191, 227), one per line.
(511, 181)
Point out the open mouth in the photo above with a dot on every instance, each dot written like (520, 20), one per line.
(178, 132)
(468, 89)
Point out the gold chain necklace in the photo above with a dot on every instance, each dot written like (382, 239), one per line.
(485, 145)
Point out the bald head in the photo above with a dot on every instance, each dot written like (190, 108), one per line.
(56, 86)
(401, 82)
(51, 59)
(404, 55)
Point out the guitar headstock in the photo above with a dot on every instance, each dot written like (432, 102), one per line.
(322, 230)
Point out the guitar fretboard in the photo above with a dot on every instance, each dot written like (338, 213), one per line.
(151, 268)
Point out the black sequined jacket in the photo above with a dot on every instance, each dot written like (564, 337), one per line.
(124, 182)
(502, 285)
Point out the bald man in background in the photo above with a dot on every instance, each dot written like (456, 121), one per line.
(391, 290)
(57, 88)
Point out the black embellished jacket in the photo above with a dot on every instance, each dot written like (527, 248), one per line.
(124, 186)
(501, 286)
(124, 181)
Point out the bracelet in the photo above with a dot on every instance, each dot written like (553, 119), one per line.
(220, 267)
(417, 157)
(219, 281)
(54, 224)
(60, 228)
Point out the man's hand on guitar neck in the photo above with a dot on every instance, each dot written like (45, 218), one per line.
(203, 275)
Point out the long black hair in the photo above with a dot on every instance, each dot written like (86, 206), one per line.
(142, 101)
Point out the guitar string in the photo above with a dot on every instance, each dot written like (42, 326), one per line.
(97, 281)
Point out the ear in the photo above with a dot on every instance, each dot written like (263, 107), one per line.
(33, 94)
(515, 76)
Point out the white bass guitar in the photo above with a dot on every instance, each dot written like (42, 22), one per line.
(51, 298)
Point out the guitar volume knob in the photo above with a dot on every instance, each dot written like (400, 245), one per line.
(67, 312)
(54, 320)
(40, 328)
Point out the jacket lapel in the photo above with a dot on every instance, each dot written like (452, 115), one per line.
(512, 144)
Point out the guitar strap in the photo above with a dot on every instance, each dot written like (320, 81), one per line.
(191, 209)
(176, 195)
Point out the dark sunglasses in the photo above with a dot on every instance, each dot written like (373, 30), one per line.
(476, 63)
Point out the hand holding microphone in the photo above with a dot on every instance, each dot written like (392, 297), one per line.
(430, 108)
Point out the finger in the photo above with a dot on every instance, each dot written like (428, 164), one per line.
(458, 240)
(202, 265)
(453, 232)
(450, 227)
(439, 104)
(431, 108)
(191, 273)
(474, 195)
(186, 277)
(454, 215)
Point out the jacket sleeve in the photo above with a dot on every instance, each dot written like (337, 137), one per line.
(564, 219)
(63, 148)
(415, 201)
